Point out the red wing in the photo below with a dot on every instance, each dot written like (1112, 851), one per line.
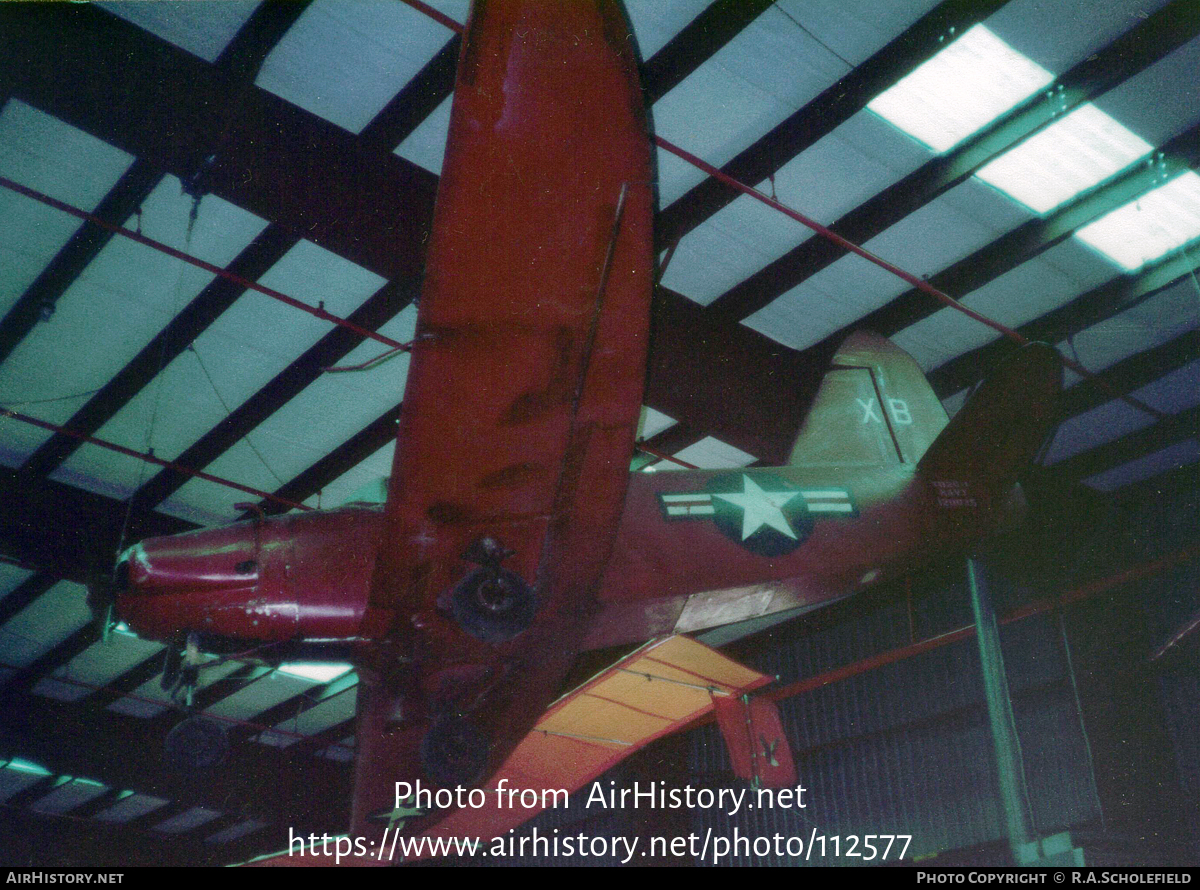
(522, 399)
(538, 274)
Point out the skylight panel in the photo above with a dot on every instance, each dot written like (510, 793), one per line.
(1149, 227)
(1071, 155)
(961, 90)
(203, 29)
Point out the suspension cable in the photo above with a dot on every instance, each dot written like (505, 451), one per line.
(317, 311)
(149, 457)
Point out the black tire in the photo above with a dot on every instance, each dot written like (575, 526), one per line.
(454, 752)
(494, 605)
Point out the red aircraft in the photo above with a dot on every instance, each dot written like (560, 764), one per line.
(514, 536)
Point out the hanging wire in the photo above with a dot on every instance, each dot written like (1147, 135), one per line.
(1087, 741)
(216, 392)
(79, 395)
(158, 383)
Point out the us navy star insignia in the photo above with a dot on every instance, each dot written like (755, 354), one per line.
(760, 508)
(764, 513)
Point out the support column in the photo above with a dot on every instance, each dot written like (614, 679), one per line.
(1013, 792)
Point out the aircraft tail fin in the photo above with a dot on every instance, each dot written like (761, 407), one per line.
(874, 408)
(1003, 424)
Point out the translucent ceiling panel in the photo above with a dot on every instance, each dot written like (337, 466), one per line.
(1154, 103)
(247, 346)
(43, 153)
(1161, 318)
(924, 242)
(707, 454)
(187, 820)
(962, 89)
(345, 61)
(857, 160)
(1058, 35)
(1171, 394)
(426, 145)
(652, 423)
(365, 479)
(67, 796)
(1019, 295)
(130, 807)
(655, 22)
(1071, 155)
(855, 29)
(97, 666)
(149, 699)
(260, 695)
(330, 712)
(238, 830)
(44, 623)
(123, 298)
(327, 413)
(771, 69)
(17, 775)
(202, 27)
(342, 752)
(317, 671)
(1162, 220)
(11, 577)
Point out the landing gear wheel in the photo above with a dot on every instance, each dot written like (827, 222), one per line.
(493, 604)
(454, 751)
(196, 744)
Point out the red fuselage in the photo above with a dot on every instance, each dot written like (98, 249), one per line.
(307, 576)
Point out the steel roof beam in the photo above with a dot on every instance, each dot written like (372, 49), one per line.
(162, 104)
(1130, 447)
(83, 740)
(824, 114)
(384, 305)
(1134, 51)
(70, 532)
(1099, 304)
(1131, 373)
(221, 293)
(37, 303)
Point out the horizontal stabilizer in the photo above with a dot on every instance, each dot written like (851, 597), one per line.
(1003, 424)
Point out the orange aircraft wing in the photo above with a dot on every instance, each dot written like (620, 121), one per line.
(660, 688)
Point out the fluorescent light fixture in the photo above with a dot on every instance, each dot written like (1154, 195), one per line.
(961, 90)
(1060, 161)
(318, 672)
(1145, 229)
